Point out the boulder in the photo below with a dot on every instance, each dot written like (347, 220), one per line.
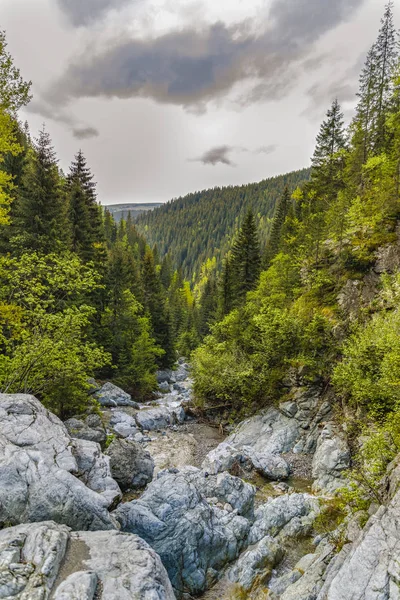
(165, 376)
(289, 514)
(94, 471)
(123, 424)
(194, 538)
(42, 560)
(330, 460)
(38, 468)
(160, 417)
(369, 569)
(256, 563)
(131, 466)
(87, 428)
(164, 387)
(111, 396)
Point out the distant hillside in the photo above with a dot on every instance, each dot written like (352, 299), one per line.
(120, 211)
(200, 225)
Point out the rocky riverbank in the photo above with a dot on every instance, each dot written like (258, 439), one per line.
(144, 502)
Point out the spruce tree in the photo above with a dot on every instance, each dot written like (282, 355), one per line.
(245, 260)
(85, 215)
(274, 239)
(225, 288)
(327, 161)
(41, 220)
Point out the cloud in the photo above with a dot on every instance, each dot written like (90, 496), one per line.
(217, 155)
(47, 111)
(85, 12)
(190, 67)
(221, 154)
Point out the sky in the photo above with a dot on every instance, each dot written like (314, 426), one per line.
(166, 97)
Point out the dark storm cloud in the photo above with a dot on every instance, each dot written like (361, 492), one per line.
(217, 155)
(84, 133)
(84, 12)
(190, 67)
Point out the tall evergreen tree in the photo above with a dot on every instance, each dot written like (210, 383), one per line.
(274, 239)
(85, 215)
(225, 288)
(245, 258)
(41, 222)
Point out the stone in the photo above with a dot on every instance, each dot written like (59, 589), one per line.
(38, 468)
(159, 418)
(369, 569)
(272, 466)
(94, 471)
(123, 424)
(288, 408)
(164, 387)
(272, 517)
(192, 537)
(256, 563)
(308, 586)
(131, 466)
(331, 458)
(222, 458)
(42, 560)
(164, 376)
(111, 396)
(87, 428)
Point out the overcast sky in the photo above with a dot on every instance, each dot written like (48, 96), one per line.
(166, 97)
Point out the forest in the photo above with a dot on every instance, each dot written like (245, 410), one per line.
(246, 282)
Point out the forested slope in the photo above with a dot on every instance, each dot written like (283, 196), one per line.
(199, 226)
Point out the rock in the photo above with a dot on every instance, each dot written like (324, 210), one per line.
(165, 376)
(310, 583)
(93, 386)
(271, 518)
(272, 466)
(90, 428)
(193, 538)
(40, 560)
(164, 387)
(94, 471)
(369, 568)
(223, 458)
(37, 468)
(388, 258)
(288, 408)
(331, 458)
(181, 373)
(111, 395)
(124, 424)
(159, 418)
(256, 563)
(131, 466)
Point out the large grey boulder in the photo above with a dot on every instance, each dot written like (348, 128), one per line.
(160, 417)
(94, 470)
(124, 424)
(87, 428)
(181, 516)
(256, 563)
(330, 461)
(111, 396)
(42, 560)
(370, 568)
(290, 512)
(38, 470)
(131, 466)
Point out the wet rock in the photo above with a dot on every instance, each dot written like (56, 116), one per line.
(37, 468)
(160, 417)
(331, 458)
(111, 396)
(87, 428)
(94, 471)
(40, 560)
(164, 387)
(191, 536)
(131, 466)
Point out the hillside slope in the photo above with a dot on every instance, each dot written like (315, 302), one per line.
(199, 226)
(121, 211)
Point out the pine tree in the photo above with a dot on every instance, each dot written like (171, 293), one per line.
(245, 258)
(386, 58)
(274, 239)
(41, 222)
(155, 303)
(85, 215)
(225, 291)
(327, 161)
